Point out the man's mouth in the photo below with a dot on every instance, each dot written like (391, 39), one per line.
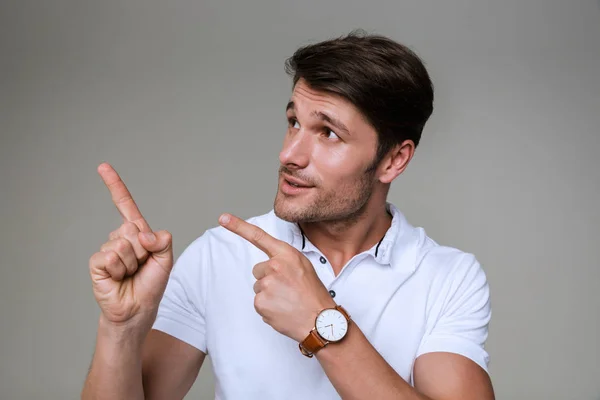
(296, 182)
(292, 186)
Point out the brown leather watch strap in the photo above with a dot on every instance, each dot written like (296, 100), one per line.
(344, 312)
(312, 343)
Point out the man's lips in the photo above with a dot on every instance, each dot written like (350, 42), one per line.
(294, 182)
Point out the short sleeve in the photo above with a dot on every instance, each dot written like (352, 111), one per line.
(459, 317)
(181, 312)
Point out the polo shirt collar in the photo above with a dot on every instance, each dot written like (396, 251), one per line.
(397, 248)
(399, 245)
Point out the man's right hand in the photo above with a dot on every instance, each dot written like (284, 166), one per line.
(129, 277)
(131, 270)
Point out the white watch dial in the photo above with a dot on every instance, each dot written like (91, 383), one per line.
(332, 325)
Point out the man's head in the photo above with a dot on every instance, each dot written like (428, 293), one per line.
(356, 114)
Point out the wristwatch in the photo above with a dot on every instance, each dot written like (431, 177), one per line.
(331, 325)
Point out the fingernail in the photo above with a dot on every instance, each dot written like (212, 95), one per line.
(224, 219)
(150, 236)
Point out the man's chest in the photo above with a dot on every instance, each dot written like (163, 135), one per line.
(246, 351)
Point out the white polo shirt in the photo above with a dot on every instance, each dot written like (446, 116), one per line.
(407, 294)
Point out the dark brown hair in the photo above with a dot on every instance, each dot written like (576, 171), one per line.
(384, 79)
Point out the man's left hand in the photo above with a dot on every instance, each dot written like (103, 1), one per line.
(289, 294)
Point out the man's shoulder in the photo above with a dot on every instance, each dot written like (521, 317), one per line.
(416, 250)
(444, 261)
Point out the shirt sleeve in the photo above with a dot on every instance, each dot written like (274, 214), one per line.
(182, 310)
(459, 318)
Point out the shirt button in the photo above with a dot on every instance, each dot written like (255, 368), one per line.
(332, 293)
(323, 260)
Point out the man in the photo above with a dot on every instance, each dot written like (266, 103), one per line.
(331, 294)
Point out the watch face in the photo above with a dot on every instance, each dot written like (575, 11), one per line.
(332, 325)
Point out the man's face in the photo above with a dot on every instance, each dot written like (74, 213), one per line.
(328, 150)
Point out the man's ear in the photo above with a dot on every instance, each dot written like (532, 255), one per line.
(396, 161)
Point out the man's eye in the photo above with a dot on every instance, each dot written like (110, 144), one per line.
(293, 123)
(331, 134)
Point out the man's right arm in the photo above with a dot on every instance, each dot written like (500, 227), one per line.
(169, 366)
(128, 366)
(129, 276)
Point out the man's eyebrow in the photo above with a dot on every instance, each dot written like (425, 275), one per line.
(332, 120)
(323, 117)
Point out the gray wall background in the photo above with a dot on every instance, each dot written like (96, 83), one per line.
(186, 99)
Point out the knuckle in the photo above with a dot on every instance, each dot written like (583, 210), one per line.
(131, 268)
(131, 237)
(129, 228)
(123, 199)
(122, 245)
(301, 272)
(139, 222)
(266, 283)
(275, 265)
(256, 287)
(258, 303)
(111, 258)
(114, 235)
(258, 235)
(95, 259)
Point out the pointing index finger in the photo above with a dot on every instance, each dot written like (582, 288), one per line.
(122, 197)
(252, 233)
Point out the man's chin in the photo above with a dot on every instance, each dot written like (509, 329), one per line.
(288, 212)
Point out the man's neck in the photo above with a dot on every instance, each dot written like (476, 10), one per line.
(341, 240)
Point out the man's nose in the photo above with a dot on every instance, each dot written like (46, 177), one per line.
(296, 150)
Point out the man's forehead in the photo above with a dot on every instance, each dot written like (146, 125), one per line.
(315, 103)
(302, 93)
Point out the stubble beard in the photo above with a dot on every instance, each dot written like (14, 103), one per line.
(345, 204)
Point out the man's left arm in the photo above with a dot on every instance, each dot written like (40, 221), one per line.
(450, 359)
(358, 371)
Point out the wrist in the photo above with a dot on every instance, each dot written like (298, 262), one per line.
(116, 370)
(130, 334)
(330, 326)
(321, 305)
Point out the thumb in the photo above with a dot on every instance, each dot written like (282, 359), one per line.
(160, 245)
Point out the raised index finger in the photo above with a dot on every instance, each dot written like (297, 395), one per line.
(253, 234)
(121, 197)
